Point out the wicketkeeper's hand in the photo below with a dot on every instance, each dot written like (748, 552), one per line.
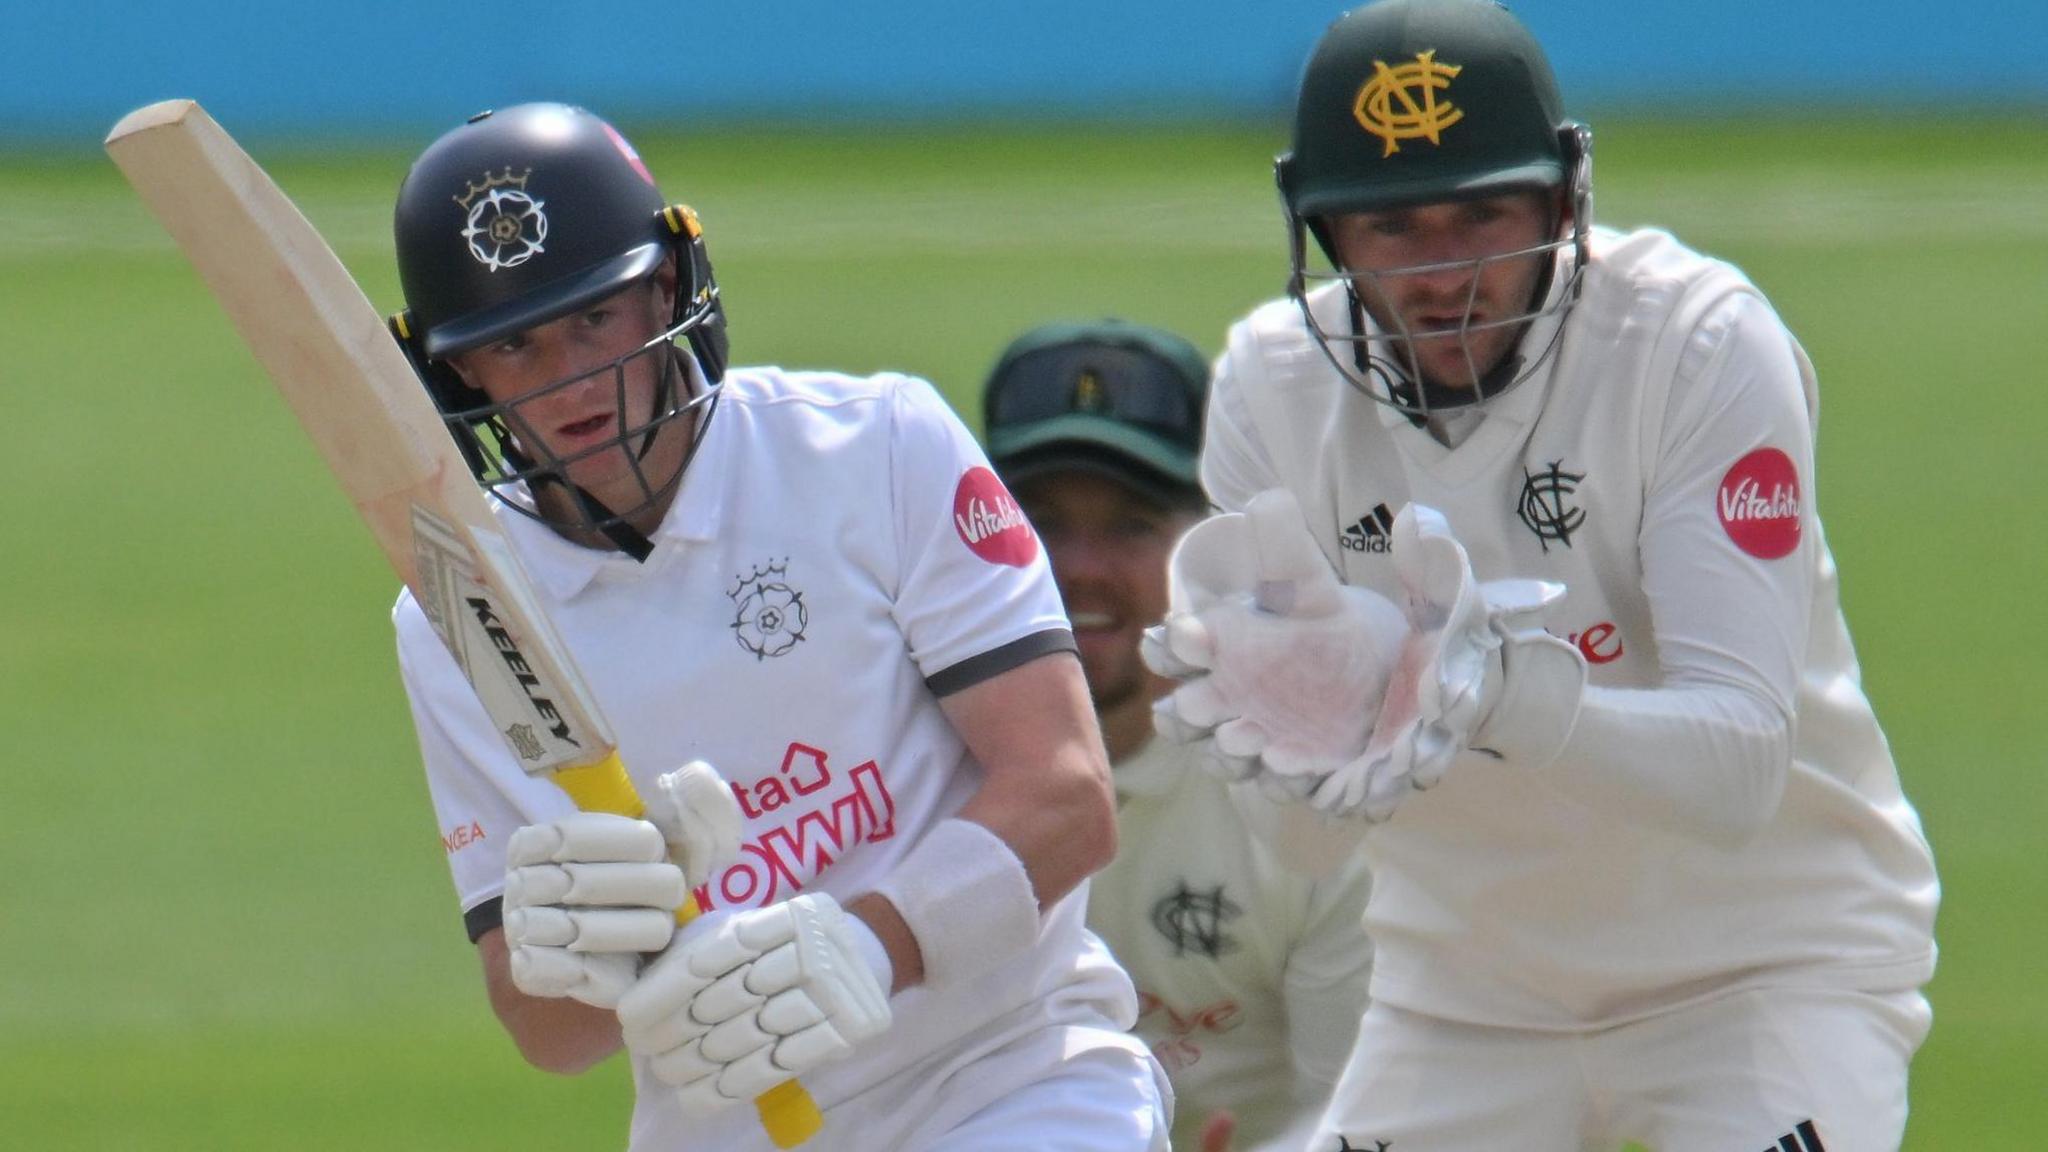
(743, 1003)
(1283, 666)
(1475, 671)
(587, 895)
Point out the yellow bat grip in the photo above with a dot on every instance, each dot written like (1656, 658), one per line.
(788, 1113)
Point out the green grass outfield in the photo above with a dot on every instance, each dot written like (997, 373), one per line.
(224, 917)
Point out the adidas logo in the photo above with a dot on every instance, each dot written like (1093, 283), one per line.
(1372, 533)
(1800, 1139)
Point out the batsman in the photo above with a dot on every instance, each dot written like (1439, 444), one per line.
(813, 582)
(1643, 871)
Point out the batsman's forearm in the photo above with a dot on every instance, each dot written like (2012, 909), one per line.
(1045, 789)
(557, 1035)
(906, 960)
(1063, 832)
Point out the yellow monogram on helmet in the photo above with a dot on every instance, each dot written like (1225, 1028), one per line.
(1400, 103)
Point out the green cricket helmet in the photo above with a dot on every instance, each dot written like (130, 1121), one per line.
(519, 217)
(1412, 102)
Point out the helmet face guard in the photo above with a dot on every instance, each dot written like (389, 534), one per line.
(521, 217)
(505, 450)
(1380, 359)
(1406, 103)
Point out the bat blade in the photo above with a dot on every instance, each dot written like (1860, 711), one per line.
(356, 395)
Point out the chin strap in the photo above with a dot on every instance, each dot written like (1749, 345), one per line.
(623, 536)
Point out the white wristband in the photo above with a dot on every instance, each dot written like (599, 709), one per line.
(967, 899)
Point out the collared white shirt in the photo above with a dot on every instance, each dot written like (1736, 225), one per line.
(839, 555)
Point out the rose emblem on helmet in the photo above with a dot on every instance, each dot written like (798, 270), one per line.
(506, 228)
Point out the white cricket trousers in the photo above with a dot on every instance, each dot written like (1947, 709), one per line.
(1089, 1094)
(1767, 1070)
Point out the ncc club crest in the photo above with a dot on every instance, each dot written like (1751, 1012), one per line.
(1546, 507)
(1192, 921)
(771, 617)
(506, 226)
(1400, 103)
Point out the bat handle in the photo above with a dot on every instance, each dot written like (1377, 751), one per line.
(787, 1111)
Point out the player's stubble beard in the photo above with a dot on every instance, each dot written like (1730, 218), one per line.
(1435, 352)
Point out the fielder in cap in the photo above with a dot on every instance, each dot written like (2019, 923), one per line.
(1642, 866)
(1250, 959)
(814, 583)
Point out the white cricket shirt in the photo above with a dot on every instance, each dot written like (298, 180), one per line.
(1661, 467)
(1250, 977)
(838, 546)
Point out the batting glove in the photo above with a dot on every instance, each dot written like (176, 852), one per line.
(587, 895)
(754, 999)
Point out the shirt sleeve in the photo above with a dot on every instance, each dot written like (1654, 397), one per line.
(480, 794)
(1325, 982)
(975, 595)
(1235, 466)
(1728, 545)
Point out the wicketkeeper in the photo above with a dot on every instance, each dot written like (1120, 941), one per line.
(1642, 869)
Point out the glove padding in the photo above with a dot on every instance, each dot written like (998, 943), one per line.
(754, 999)
(588, 894)
(1466, 653)
(1283, 665)
(699, 817)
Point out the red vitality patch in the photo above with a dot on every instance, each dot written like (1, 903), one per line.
(989, 521)
(1759, 504)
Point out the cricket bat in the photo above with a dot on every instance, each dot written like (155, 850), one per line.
(357, 396)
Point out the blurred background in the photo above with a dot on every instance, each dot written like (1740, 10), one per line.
(224, 917)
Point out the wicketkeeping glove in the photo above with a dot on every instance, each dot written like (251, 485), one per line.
(1474, 672)
(587, 895)
(1283, 666)
(743, 1003)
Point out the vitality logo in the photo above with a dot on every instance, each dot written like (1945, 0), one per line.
(989, 521)
(1374, 532)
(1759, 504)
